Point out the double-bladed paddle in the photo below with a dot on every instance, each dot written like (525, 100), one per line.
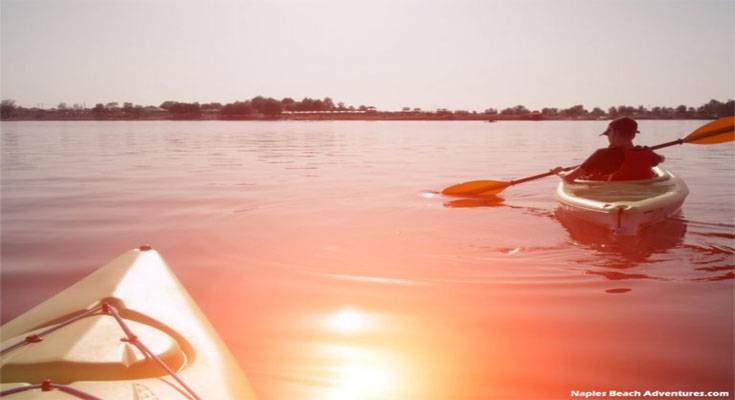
(719, 131)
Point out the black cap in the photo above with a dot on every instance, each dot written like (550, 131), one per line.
(625, 125)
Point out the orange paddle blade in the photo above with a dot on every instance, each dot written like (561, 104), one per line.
(720, 131)
(483, 188)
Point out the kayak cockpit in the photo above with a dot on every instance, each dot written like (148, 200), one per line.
(624, 206)
(604, 194)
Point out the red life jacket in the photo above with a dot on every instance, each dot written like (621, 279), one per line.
(637, 164)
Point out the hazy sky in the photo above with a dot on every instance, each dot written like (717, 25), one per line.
(456, 54)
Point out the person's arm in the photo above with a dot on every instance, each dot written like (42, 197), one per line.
(657, 159)
(589, 165)
(571, 175)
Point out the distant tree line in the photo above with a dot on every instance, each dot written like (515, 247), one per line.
(254, 108)
(260, 107)
(712, 109)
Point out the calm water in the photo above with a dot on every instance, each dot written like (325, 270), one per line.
(329, 265)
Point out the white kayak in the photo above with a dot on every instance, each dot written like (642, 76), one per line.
(625, 207)
(128, 331)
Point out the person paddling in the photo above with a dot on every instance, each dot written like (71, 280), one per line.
(620, 161)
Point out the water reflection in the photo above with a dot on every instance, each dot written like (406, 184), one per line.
(357, 367)
(636, 249)
(479, 202)
(616, 253)
(624, 258)
(494, 201)
(621, 290)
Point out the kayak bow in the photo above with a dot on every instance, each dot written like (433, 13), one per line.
(127, 331)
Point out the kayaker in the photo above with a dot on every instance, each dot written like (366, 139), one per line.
(620, 161)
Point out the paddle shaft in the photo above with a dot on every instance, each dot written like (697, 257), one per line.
(539, 176)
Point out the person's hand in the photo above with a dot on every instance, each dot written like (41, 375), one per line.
(567, 178)
(557, 170)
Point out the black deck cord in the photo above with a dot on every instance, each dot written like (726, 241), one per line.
(130, 337)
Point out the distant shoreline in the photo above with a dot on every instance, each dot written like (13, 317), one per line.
(287, 109)
(380, 116)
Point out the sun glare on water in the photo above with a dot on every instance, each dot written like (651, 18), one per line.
(362, 381)
(347, 321)
(360, 371)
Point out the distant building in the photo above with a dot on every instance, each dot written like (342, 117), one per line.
(154, 109)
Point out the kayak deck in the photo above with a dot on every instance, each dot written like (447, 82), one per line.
(127, 331)
(609, 194)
